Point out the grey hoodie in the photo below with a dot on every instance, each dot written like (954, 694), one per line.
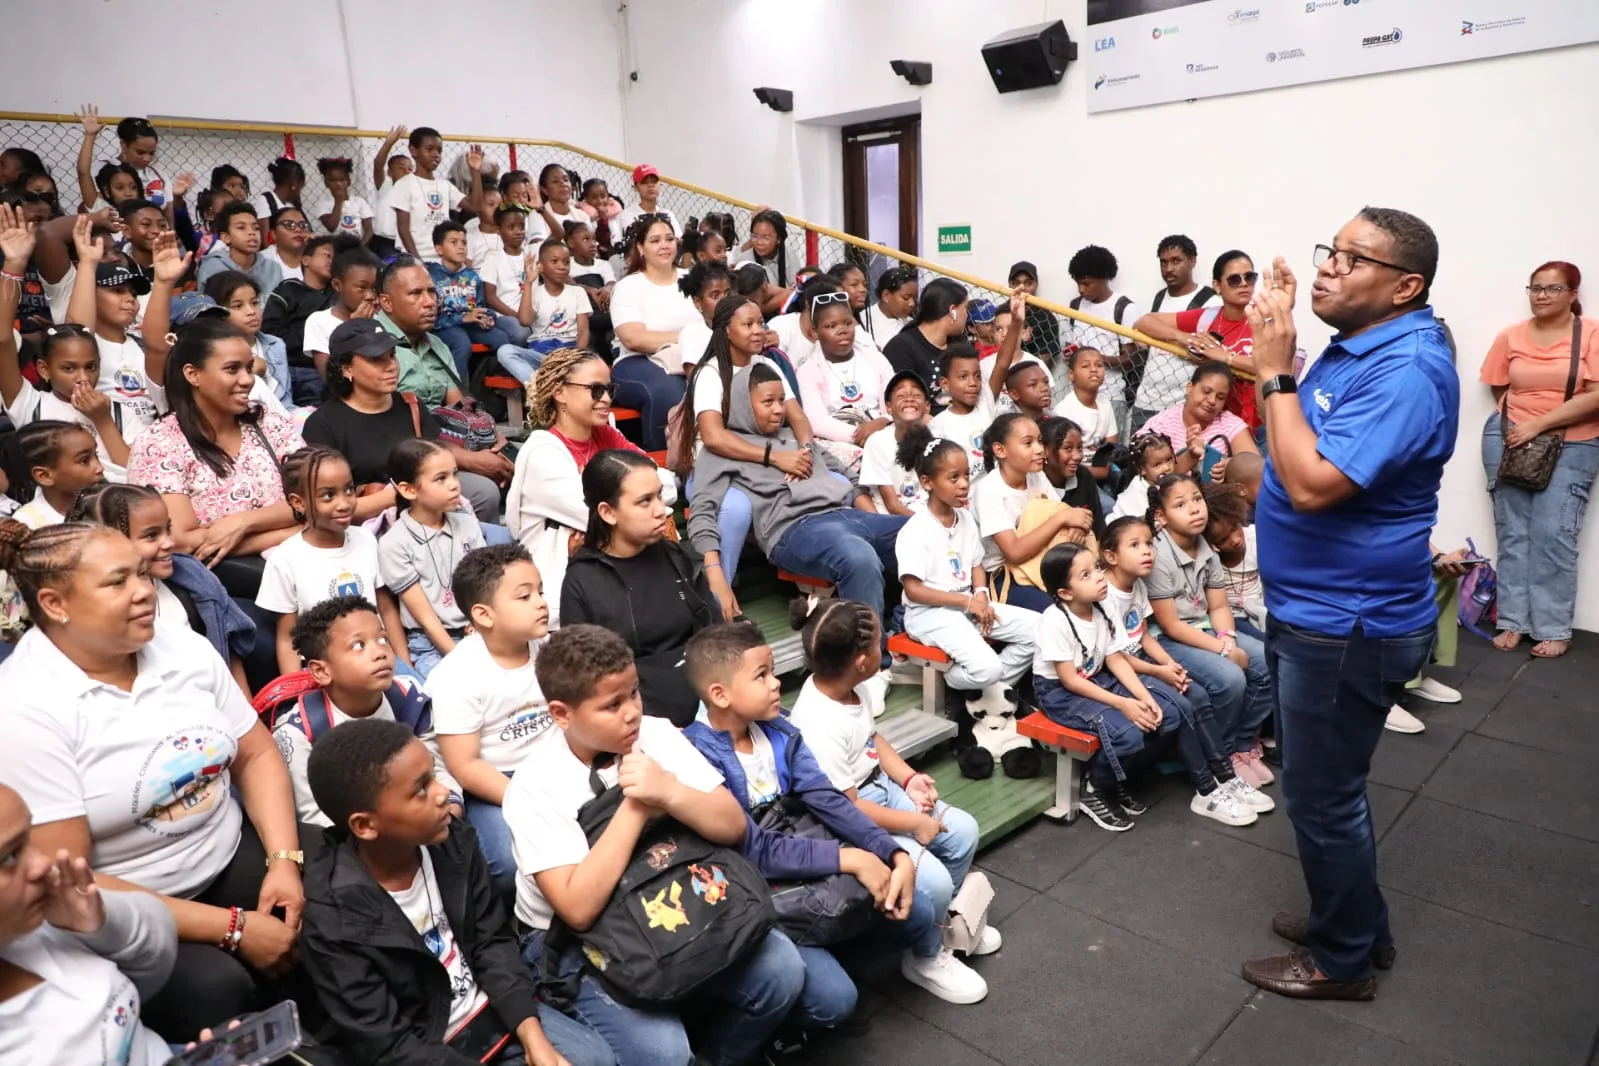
(775, 502)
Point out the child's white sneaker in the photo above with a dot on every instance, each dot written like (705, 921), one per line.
(1223, 805)
(1252, 797)
(945, 976)
(988, 942)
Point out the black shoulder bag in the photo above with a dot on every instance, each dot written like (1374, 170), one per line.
(1531, 464)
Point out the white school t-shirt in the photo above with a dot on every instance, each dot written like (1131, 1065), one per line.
(1098, 423)
(602, 267)
(842, 736)
(122, 377)
(295, 272)
(555, 314)
(997, 507)
(507, 273)
(49, 407)
(1086, 651)
(299, 576)
(37, 513)
(544, 797)
(694, 339)
(480, 245)
(879, 467)
(661, 308)
(428, 201)
(383, 212)
(349, 221)
(422, 903)
(942, 556)
(1130, 609)
(319, 331)
(967, 430)
(1103, 341)
(149, 769)
(1133, 501)
(760, 769)
(506, 709)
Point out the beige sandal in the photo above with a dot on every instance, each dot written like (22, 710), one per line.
(1508, 640)
(1545, 649)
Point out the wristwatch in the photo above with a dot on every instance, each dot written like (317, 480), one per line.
(1280, 383)
(297, 857)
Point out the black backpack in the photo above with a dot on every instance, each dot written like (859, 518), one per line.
(683, 911)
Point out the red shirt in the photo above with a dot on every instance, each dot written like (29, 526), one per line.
(604, 438)
(1236, 338)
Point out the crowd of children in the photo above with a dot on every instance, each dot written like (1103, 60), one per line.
(920, 449)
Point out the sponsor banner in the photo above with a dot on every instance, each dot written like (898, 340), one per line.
(1157, 51)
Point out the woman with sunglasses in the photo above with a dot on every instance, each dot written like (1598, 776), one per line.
(1538, 390)
(1215, 333)
(571, 403)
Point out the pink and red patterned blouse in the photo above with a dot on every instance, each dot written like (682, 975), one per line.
(162, 459)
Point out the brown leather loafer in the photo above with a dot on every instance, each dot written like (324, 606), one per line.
(1295, 928)
(1294, 975)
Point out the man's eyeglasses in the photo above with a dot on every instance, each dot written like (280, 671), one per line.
(1248, 277)
(1548, 290)
(598, 390)
(1344, 262)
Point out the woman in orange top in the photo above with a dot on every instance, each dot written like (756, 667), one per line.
(1528, 367)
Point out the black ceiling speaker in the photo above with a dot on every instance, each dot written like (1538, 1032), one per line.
(1029, 58)
(776, 99)
(912, 71)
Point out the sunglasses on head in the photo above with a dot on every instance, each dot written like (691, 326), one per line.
(823, 299)
(598, 390)
(1248, 277)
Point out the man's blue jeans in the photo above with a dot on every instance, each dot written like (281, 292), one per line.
(1335, 693)
(506, 330)
(852, 549)
(1538, 533)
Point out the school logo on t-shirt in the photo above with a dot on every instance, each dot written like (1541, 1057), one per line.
(347, 221)
(529, 720)
(128, 382)
(346, 583)
(851, 392)
(435, 200)
(1133, 623)
(181, 781)
(121, 1011)
(957, 568)
(1090, 666)
(910, 487)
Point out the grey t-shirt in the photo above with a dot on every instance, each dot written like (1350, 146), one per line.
(1184, 580)
(410, 554)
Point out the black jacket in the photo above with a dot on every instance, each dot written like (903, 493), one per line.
(386, 993)
(285, 312)
(595, 592)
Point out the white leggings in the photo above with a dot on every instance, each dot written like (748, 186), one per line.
(973, 664)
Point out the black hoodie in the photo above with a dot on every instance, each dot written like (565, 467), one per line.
(284, 313)
(674, 605)
(387, 994)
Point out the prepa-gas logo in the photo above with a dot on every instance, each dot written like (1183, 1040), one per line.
(1393, 36)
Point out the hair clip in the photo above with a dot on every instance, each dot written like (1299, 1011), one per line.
(932, 446)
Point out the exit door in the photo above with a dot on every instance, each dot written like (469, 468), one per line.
(883, 182)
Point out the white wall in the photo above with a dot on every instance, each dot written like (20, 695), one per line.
(1492, 154)
(483, 68)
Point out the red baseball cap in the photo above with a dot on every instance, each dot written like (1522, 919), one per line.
(644, 170)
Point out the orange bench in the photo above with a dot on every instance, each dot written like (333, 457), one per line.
(933, 662)
(1071, 747)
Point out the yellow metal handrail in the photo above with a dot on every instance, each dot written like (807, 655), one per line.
(210, 126)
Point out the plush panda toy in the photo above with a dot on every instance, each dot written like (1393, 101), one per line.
(992, 724)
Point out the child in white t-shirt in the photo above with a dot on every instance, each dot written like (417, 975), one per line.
(504, 270)
(1088, 405)
(897, 488)
(1153, 458)
(1014, 455)
(1229, 532)
(355, 295)
(487, 706)
(941, 567)
(328, 557)
(422, 200)
(1083, 680)
(972, 400)
(559, 310)
(339, 212)
(1127, 555)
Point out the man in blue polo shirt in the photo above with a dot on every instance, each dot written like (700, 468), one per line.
(1350, 495)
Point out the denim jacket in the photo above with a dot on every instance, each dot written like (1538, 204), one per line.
(276, 354)
(778, 855)
(225, 625)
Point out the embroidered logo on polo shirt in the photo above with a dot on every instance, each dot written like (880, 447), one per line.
(1323, 400)
(180, 781)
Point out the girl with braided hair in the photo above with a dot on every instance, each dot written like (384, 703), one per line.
(1084, 680)
(570, 402)
(1153, 458)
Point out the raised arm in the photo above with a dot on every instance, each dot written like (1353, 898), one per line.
(380, 162)
(80, 308)
(169, 265)
(89, 116)
(16, 246)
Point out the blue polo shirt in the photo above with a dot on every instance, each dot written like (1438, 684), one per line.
(1385, 406)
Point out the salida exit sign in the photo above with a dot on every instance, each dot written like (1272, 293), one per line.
(955, 240)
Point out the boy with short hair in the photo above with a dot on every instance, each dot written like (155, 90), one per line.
(288, 307)
(557, 310)
(1027, 386)
(504, 269)
(975, 384)
(401, 894)
(592, 684)
(238, 247)
(1093, 269)
(1040, 332)
(596, 277)
(346, 651)
(487, 707)
(463, 318)
(421, 201)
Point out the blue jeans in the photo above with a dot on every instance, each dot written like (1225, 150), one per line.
(577, 1043)
(1538, 531)
(506, 330)
(424, 655)
(494, 839)
(306, 386)
(650, 391)
(940, 867)
(852, 549)
(757, 994)
(522, 362)
(494, 533)
(1120, 740)
(732, 526)
(1336, 692)
(1240, 700)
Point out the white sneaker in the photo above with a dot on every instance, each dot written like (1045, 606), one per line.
(945, 976)
(988, 942)
(1437, 691)
(1225, 806)
(1402, 721)
(879, 686)
(1250, 796)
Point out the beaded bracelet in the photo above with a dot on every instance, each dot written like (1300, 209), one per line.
(235, 934)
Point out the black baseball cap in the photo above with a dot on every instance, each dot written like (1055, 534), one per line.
(118, 275)
(906, 375)
(361, 336)
(1022, 267)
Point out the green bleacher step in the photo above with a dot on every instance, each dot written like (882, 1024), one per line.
(914, 732)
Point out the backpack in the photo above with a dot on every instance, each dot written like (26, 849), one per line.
(466, 424)
(299, 698)
(1479, 598)
(1200, 298)
(1122, 303)
(683, 911)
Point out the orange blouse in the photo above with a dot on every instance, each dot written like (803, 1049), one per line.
(1536, 375)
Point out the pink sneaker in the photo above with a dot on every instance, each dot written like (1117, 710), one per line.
(1257, 757)
(1244, 767)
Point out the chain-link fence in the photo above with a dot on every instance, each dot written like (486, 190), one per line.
(1151, 379)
